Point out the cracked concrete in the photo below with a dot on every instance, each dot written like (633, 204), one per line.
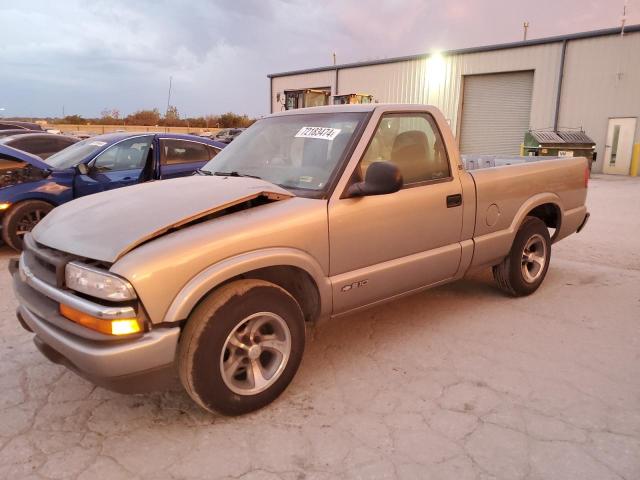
(457, 383)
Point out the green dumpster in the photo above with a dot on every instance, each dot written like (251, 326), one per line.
(559, 143)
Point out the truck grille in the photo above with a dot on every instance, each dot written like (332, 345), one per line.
(46, 264)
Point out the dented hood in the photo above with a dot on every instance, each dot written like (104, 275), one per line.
(107, 225)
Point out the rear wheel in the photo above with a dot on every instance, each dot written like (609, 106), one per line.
(524, 269)
(21, 219)
(241, 347)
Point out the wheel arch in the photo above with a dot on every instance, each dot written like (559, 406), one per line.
(545, 206)
(294, 270)
(492, 248)
(5, 214)
(550, 213)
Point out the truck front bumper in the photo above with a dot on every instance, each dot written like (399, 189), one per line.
(136, 365)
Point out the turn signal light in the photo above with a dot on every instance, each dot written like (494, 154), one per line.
(4, 206)
(120, 326)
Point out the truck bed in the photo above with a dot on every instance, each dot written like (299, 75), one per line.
(505, 192)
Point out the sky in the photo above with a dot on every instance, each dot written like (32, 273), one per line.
(86, 56)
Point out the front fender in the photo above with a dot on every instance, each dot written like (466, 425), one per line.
(47, 190)
(208, 279)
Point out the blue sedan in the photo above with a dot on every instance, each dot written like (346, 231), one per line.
(30, 187)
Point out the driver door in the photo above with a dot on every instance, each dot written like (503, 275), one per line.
(120, 165)
(386, 245)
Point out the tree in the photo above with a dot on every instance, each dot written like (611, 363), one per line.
(73, 120)
(109, 116)
(230, 120)
(144, 117)
(172, 117)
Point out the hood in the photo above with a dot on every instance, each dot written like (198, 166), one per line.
(107, 225)
(20, 156)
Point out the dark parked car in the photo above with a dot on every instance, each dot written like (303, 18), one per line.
(17, 131)
(30, 187)
(12, 125)
(41, 144)
(228, 134)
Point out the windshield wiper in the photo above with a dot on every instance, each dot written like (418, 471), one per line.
(203, 172)
(235, 174)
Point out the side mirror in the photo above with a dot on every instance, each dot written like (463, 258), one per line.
(381, 178)
(83, 169)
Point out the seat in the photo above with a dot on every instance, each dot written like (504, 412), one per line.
(410, 153)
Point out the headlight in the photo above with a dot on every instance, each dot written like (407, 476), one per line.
(97, 283)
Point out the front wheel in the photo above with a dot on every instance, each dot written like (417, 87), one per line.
(241, 347)
(21, 219)
(524, 269)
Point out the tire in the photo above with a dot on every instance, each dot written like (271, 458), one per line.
(215, 365)
(524, 269)
(20, 219)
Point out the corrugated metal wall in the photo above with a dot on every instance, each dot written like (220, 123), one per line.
(439, 81)
(601, 81)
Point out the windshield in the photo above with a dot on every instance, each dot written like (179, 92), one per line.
(73, 155)
(295, 151)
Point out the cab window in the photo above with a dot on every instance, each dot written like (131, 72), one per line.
(129, 154)
(413, 143)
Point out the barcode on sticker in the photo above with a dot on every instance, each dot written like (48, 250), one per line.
(324, 133)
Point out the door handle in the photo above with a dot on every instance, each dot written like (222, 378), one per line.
(454, 200)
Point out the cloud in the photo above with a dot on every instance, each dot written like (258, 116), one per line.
(117, 53)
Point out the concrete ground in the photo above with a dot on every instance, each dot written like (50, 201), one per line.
(457, 383)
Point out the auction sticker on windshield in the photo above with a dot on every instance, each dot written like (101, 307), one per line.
(324, 133)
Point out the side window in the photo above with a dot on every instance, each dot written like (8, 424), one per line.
(181, 151)
(213, 151)
(127, 155)
(413, 143)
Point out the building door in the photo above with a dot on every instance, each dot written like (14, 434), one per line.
(495, 112)
(619, 146)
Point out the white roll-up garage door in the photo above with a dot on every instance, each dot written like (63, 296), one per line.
(495, 112)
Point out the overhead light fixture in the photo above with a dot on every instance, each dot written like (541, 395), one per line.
(436, 69)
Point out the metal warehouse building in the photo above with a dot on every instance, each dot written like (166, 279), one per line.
(492, 95)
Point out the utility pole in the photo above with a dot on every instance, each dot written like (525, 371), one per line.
(525, 26)
(62, 111)
(334, 58)
(169, 95)
(624, 16)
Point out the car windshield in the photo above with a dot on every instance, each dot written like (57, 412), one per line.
(296, 151)
(73, 155)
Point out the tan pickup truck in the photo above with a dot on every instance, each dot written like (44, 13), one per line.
(308, 214)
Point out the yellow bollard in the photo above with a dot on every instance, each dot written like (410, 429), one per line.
(522, 149)
(635, 160)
